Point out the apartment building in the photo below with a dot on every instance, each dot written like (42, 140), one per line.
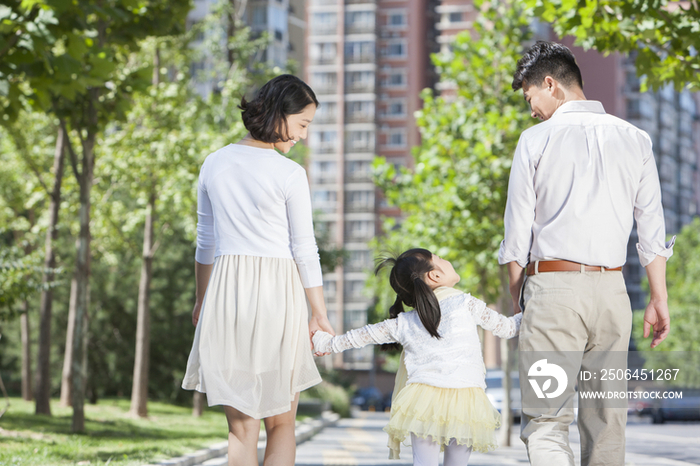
(284, 22)
(367, 61)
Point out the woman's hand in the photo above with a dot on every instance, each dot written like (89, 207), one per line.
(195, 312)
(319, 322)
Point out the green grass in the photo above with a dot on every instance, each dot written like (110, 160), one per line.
(111, 435)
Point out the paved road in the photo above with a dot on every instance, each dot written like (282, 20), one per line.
(361, 442)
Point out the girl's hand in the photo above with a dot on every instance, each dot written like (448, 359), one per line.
(195, 312)
(322, 341)
(319, 322)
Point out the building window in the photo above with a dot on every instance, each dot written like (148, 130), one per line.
(396, 138)
(456, 17)
(324, 23)
(324, 172)
(324, 141)
(329, 288)
(359, 52)
(323, 52)
(359, 201)
(360, 141)
(360, 111)
(395, 49)
(397, 19)
(358, 170)
(279, 35)
(395, 108)
(394, 79)
(325, 200)
(362, 81)
(259, 16)
(359, 260)
(359, 21)
(361, 230)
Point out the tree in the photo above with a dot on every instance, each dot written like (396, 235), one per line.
(664, 34)
(72, 59)
(24, 153)
(454, 198)
(682, 346)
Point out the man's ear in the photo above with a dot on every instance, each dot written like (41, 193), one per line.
(550, 84)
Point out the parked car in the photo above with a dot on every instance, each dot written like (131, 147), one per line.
(686, 408)
(368, 398)
(495, 392)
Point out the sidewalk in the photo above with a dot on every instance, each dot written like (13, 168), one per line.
(216, 455)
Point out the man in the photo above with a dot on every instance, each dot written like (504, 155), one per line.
(577, 181)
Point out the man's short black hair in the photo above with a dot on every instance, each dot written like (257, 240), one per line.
(547, 59)
(265, 117)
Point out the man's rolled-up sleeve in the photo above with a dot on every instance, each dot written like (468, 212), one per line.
(649, 214)
(520, 208)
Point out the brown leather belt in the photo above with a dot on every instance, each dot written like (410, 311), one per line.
(565, 266)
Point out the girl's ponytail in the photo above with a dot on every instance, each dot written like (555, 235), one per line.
(396, 308)
(427, 306)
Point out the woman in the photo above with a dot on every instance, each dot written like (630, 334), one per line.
(256, 264)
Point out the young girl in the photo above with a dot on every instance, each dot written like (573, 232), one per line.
(443, 405)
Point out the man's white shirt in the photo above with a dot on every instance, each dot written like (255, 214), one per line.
(577, 182)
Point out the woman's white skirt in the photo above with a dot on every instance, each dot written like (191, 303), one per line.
(251, 346)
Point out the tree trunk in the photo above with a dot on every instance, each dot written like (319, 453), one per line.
(67, 375)
(198, 404)
(506, 358)
(139, 389)
(43, 363)
(82, 278)
(26, 353)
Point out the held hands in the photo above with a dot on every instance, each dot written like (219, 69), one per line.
(321, 341)
(656, 315)
(320, 322)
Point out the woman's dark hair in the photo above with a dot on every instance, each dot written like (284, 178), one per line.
(407, 279)
(265, 117)
(547, 59)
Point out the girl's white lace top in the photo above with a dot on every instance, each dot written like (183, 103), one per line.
(453, 361)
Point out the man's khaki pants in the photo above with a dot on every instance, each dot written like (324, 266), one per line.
(584, 312)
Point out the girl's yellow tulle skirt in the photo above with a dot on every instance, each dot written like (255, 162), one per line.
(463, 414)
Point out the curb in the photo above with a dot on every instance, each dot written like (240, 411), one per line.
(215, 455)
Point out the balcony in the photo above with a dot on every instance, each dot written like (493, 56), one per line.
(360, 28)
(355, 298)
(325, 148)
(359, 147)
(366, 58)
(326, 118)
(359, 2)
(359, 236)
(359, 87)
(323, 29)
(326, 207)
(325, 178)
(323, 60)
(359, 118)
(358, 177)
(326, 88)
(358, 207)
(324, 2)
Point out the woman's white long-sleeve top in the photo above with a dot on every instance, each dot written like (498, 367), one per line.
(453, 361)
(256, 202)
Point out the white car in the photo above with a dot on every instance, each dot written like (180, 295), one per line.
(495, 392)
